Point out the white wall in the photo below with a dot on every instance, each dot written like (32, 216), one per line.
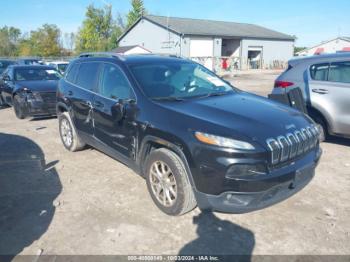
(329, 47)
(154, 38)
(137, 50)
(273, 50)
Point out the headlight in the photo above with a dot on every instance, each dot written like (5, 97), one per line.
(223, 141)
(34, 96)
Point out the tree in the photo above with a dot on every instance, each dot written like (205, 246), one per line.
(9, 41)
(43, 42)
(298, 49)
(136, 12)
(69, 41)
(98, 31)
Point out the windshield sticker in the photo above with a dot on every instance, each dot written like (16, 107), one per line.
(215, 81)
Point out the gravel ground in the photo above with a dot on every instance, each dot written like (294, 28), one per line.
(56, 202)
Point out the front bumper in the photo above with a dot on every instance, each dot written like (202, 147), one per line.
(40, 108)
(265, 191)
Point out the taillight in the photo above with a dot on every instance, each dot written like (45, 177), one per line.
(283, 84)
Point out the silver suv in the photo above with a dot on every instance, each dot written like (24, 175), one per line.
(325, 83)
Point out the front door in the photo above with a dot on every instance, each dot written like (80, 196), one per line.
(114, 92)
(330, 90)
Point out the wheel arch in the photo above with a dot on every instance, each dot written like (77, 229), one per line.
(313, 112)
(150, 143)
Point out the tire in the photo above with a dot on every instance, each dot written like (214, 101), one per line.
(18, 108)
(2, 103)
(68, 133)
(322, 128)
(165, 170)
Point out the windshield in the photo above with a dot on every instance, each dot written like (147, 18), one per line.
(178, 80)
(35, 74)
(33, 62)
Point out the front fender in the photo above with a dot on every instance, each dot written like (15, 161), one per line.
(180, 149)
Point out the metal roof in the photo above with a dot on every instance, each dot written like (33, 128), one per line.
(201, 27)
(123, 49)
(320, 58)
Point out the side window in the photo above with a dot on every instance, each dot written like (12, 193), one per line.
(87, 76)
(71, 74)
(113, 83)
(319, 72)
(339, 72)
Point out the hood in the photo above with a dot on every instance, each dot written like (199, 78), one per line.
(39, 86)
(245, 114)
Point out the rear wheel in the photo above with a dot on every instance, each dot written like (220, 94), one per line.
(17, 107)
(168, 183)
(68, 133)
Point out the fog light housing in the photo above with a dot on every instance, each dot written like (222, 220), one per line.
(245, 170)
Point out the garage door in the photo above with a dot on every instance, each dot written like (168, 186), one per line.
(201, 48)
(202, 51)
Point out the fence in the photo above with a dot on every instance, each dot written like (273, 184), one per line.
(226, 65)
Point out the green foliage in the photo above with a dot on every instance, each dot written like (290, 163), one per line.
(136, 12)
(298, 49)
(9, 40)
(46, 41)
(99, 30)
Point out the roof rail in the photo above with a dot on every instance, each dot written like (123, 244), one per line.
(101, 54)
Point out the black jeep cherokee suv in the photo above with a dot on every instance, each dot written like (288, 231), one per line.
(194, 138)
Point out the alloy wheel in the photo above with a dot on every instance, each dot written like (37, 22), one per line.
(66, 132)
(163, 183)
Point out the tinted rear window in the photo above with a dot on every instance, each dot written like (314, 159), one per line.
(319, 72)
(72, 73)
(87, 75)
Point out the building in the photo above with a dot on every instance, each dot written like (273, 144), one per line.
(250, 46)
(131, 50)
(339, 44)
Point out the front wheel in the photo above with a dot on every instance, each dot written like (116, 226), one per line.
(322, 128)
(17, 107)
(68, 133)
(168, 183)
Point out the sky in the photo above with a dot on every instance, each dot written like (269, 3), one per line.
(312, 21)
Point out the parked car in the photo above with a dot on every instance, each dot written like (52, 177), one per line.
(325, 83)
(4, 63)
(194, 138)
(29, 61)
(31, 90)
(60, 66)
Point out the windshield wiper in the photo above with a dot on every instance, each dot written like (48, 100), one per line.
(213, 94)
(169, 98)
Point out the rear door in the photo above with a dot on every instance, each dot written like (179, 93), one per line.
(330, 93)
(81, 95)
(114, 88)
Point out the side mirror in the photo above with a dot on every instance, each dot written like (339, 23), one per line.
(6, 78)
(118, 111)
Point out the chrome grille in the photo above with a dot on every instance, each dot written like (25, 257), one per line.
(291, 145)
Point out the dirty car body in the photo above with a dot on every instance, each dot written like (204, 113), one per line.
(241, 152)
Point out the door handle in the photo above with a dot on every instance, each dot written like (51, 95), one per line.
(70, 93)
(320, 91)
(98, 104)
